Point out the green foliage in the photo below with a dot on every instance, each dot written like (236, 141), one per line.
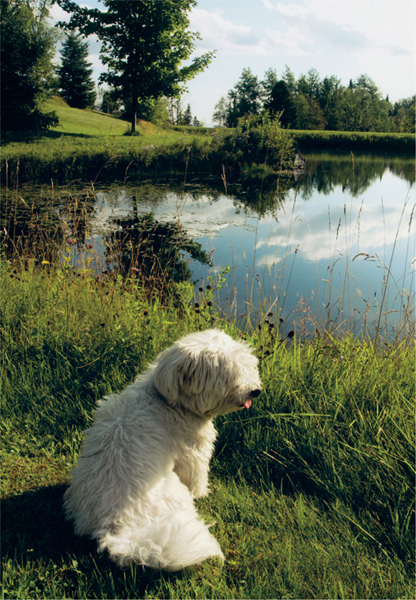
(187, 116)
(312, 490)
(261, 140)
(144, 44)
(110, 102)
(280, 101)
(27, 50)
(244, 98)
(153, 251)
(157, 112)
(403, 115)
(76, 85)
(310, 103)
(220, 114)
(346, 140)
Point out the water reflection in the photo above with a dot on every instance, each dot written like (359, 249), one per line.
(140, 245)
(354, 172)
(333, 245)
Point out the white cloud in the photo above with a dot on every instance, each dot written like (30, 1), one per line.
(290, 10)
(293, 42)
(217, 32)
(355, 23)
(352, 37)
(237, 39)
(56, 13)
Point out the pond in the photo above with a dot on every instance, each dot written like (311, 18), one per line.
(335, 247)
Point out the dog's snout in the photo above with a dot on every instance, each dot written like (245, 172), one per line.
(255, 393)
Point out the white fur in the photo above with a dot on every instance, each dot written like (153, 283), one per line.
(147, 455)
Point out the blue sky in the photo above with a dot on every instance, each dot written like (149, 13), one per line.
(345, 38)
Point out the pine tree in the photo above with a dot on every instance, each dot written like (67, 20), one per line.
(280, 100)
(187, 116)
(221, 111)
(77, 87)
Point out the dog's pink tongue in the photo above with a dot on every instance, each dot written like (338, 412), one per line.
(247, 403)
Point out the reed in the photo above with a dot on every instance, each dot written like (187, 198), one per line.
(312, 490)
(353, 140)
(317, 478)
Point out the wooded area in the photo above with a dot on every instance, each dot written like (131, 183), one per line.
(144, 44)
(314, 103)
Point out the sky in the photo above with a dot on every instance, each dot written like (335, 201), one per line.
(345, 38)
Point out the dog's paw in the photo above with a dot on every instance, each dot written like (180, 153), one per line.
(200, 491)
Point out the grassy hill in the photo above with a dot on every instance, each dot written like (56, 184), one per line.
(73, 121)
(85, 142)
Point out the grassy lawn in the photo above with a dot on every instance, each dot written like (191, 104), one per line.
(80, 128)
(84, 123)
(87, 143)
(312, 490)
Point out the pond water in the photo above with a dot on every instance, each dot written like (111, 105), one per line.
(336, 246)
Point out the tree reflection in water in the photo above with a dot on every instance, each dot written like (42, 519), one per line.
(153, 251)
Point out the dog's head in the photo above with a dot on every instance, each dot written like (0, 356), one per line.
(208, 373)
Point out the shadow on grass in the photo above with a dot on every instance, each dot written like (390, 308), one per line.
(33, 136)
(35, 532)
(34, 522)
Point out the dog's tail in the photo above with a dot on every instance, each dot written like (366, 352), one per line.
(173, 539)
(172, 543)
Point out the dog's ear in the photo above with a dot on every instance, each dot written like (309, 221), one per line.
(166, 375)
(185, 376)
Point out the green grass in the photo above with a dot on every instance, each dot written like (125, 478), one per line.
(88, 145)
(355, 140)
(83, 123)
(87, 123)
(312, 490)
(157, 153)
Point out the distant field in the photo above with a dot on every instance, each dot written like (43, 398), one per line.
(87, 144)
(355, 140)
(87, 127)
(87, 123)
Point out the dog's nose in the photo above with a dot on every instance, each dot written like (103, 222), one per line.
(255, 393)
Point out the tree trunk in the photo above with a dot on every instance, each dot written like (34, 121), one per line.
(134, 111)
(134, 90)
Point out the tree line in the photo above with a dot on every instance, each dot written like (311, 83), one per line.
(143, 45)
(314, 103)
(160, 111)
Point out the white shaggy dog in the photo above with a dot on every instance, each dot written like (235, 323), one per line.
(147, 454)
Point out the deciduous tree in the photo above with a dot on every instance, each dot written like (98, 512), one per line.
(144, 44)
